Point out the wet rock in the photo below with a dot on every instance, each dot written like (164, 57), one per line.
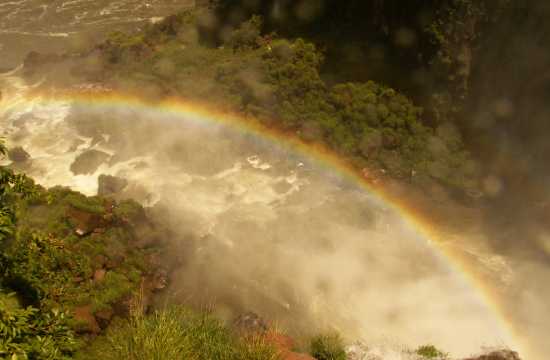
(86, 321)
(88, 162)
(83, 222)
(110, 185)
(497, 355)
(76, 143)
(99, 275)
(18, 155)
(358, 351)
(159, 280)
(104, 317)
(133, 303)
(123, 307)
(250, 323)
(35, 58)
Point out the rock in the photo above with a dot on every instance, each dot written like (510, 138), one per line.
(99, 275)
(284, 345)
(88, 162)
(291, 355)
(110, 185)
(86, 321)
(104, 317)
(18, 155)
(358, 351)
(83, 222)
(497, 355)
(158, 281)
(250, 323)
(99, 230)
(130, 303)
(123, 307)
(34, 59)
(99, 261)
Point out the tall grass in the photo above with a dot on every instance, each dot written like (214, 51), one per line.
(176, 333)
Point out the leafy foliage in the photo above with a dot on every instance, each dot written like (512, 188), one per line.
(25, 332)
(30, 333)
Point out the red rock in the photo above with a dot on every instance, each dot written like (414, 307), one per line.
(296, 356)
(87, 322)
(284, 345)
(99, 275)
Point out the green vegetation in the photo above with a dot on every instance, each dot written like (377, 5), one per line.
(328, 347)
(26, 331)
(431, 352)
(278, 82)
(61, 251)
(176, 333)
(30, 333)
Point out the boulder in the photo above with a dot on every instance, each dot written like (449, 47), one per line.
(159, 280)
(104, 317)
(250, 323)
(35, 59)
(88, 162)
(86, 322)
(83, 222)
(108, 185)
(497, 355)
(18, 155)
(99, 275)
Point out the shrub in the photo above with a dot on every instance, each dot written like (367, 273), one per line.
(247, 35)
(328, 347)
(92, 205)
(430, 352)
(30, 333)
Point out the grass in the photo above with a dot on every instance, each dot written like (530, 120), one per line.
(176, 333)
(328, 347)
(92, 205)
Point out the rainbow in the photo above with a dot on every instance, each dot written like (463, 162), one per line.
(415, 217)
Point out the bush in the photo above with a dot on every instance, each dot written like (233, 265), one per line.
(30, 333)
(431, 352)
(176, 333)
(328, 347)
(93, 205)
(247, 35)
